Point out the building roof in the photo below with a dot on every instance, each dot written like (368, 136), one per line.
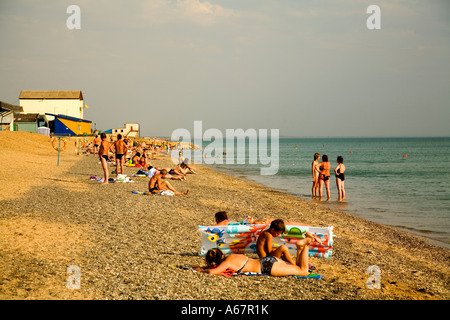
(26, 117)
(61, 116)
(40, 94)
(8, 108)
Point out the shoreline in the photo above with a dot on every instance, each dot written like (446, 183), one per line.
(334, 205)
(133, 246)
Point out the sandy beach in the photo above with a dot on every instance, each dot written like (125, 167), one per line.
(130, 246)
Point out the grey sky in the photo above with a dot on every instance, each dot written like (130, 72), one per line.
(308, 68)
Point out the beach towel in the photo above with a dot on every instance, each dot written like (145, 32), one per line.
(161, 193)
(242, 238)
(112, 180)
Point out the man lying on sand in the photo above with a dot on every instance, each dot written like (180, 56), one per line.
(155, 184)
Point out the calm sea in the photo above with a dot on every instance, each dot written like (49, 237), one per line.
(400, 182)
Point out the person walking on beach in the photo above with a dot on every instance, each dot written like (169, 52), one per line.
(315, 174)
(324, 176)
(340, 177)
(103, 153)
(120, 149)
(155, 184)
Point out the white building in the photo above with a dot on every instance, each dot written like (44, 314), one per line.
(68, 103)
(130, 130)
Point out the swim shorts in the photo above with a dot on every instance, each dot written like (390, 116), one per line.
(266, 264)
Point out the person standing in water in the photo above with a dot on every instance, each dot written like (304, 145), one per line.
(324, 176)
(340, 177)
(315, 175)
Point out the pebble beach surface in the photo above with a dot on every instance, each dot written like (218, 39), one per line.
(130, 246)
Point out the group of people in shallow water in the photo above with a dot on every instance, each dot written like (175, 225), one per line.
(321, 176)
(273, 261)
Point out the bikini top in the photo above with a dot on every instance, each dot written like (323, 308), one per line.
(242, 266)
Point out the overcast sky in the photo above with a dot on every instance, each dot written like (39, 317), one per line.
(309, 68)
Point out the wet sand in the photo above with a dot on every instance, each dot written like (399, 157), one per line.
(130, 246)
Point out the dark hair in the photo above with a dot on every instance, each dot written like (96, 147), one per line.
(214, 257)
(119, 136)
(103, 135)
(221, 216)
(324, 157)
(277, 225)
(340, 159)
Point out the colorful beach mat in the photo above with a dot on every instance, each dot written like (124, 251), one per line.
(242, 238)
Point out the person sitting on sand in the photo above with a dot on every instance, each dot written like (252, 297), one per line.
(187, 166)
(136, 158)
(155, 184)
(103, 153)
(219, 264)
(264, 247)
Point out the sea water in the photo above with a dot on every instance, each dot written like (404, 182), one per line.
(400, 182)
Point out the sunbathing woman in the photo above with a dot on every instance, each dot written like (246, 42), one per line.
(218, 263)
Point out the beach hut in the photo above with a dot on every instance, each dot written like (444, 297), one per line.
(29, 122)
(69, 126)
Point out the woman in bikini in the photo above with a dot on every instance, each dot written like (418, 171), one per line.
(340, 177)
(315, 174)
(324, 176)
(218, 263)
